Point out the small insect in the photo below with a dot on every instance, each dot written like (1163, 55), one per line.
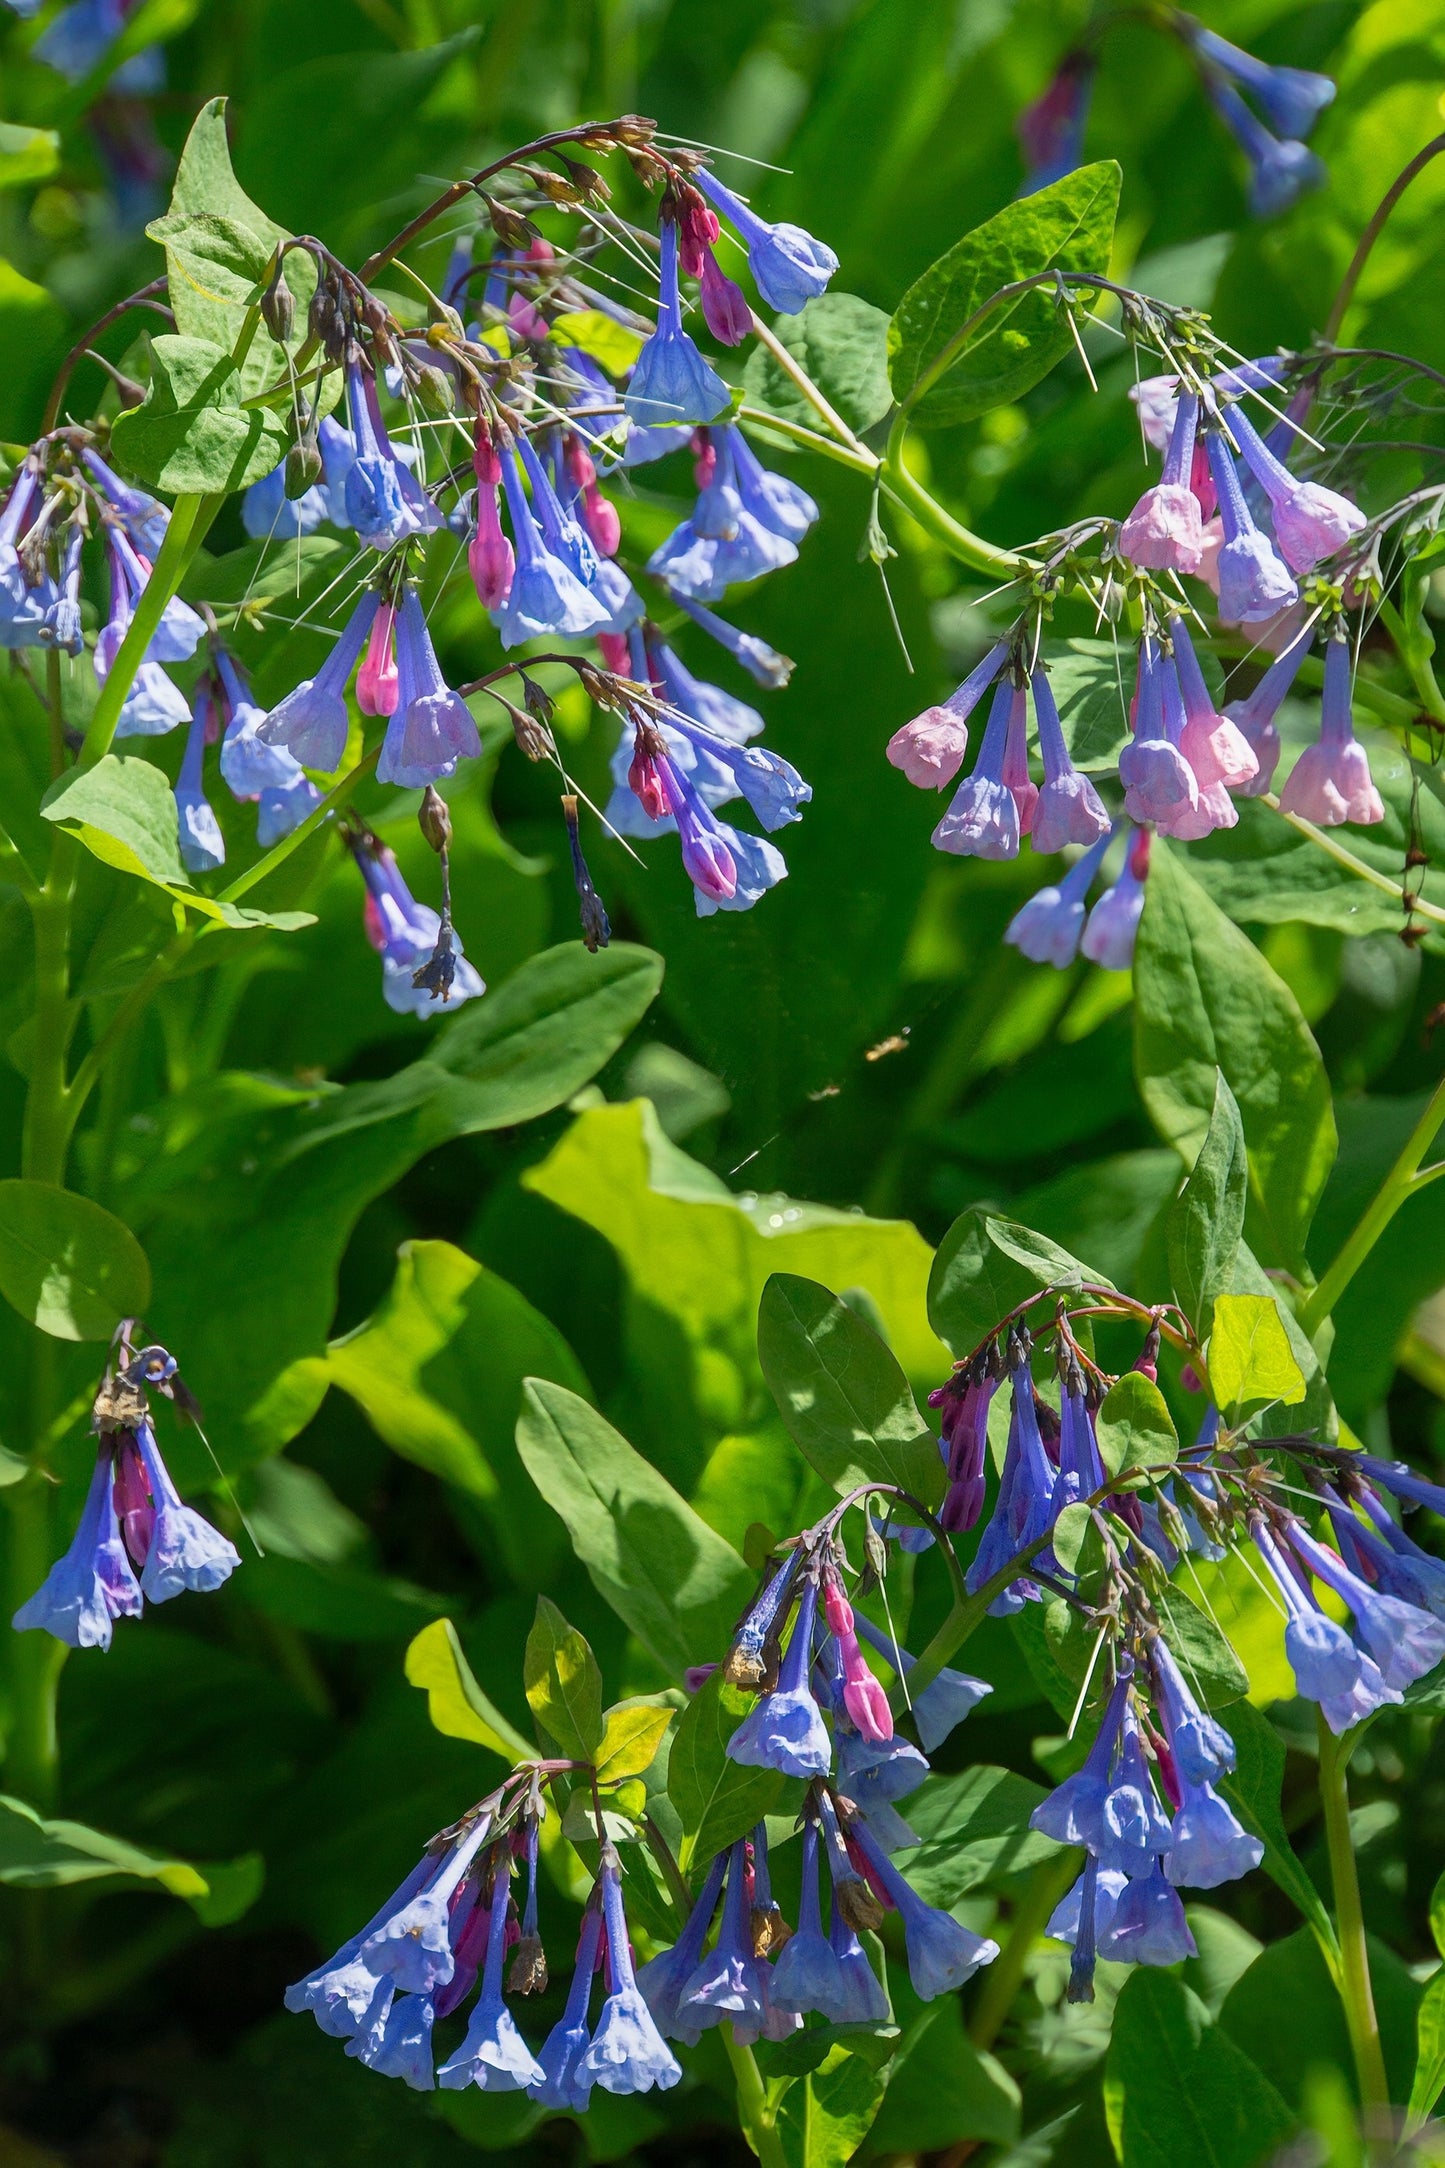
(828, 1091)
(896, 1044)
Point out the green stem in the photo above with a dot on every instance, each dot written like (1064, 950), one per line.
(46, 1132)
(1355, 1990)
(1415, 644)
(1004, 1977)
(863, 462)
(190, 522)
(32, 1755)
(1401, 1183)
(754, 2114)
(970, 549)
(1357, 866)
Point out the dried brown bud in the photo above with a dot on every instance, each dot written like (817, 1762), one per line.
(744, 1668)
(528, 1972)
(434, 819)
(537, 699)
(770, 1930)
(587, 181)
(858, 1905)
(510, 228)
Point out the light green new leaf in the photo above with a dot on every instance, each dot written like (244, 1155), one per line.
(948, 373)
(717, 1800)
(40, 1854)
(824, 2117)
(1250, 1358)
(841, 343)
(564, 1683)
(1134, 1426)
(192, 436)
(1205, 1002)
(666, 1574)
(455, 1703)
(1206, 1219)
(68, 1265)
(1179, 2089)
(631, 1736)
(985, 1267)
(27, 155)
(842, 1393)
(124, 812)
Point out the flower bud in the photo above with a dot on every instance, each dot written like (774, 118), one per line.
(434, 818)
(278, 309)
(303, 469)
(433, 389)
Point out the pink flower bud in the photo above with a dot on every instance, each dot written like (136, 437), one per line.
(867, 1704)
(613, 647)
(376, 681)
(600, 518)
(490, 558)
(724, 304)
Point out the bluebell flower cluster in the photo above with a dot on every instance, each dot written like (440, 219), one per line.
(405, 934)
(137, 1541)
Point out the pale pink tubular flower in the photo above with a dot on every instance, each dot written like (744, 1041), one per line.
(1158, 782)
(982, 820)
(1310, 522)
(1164, 532)
(1156, 398)
(1016, 761)
(1213, 807)
(1255, 715)
(930, 749)
(1214, 746)
(1331, 781)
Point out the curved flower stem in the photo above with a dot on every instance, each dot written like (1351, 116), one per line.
(757, 2119)
(1401, 1183)
(144, 297)
(1373, 231)
(817, 400)
(862, 462)
(1355, 1989)
(1004, 1977)
(1351, 864)
(970, 549)
(280, 852)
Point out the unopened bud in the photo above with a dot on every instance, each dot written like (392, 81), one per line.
(588, 182)
(434, 818)
(510, 228)
(533, 738)
(127, 391)
(278, 309)
(303, 469)
(596, 934)
(433, 389)
(538, 700)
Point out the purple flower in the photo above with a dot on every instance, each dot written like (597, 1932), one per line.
(180, 630)
(1135, 1827)
(405, 933)
(62, 626)
(1081, 1469)
(563, 2083)
(398, 2044)
(1254, 582)
(1310, 522)
(771, 499)
(185, 1551)
(664, 1979)
(312, 722)
(1279, 172)
(930, 749)
(1048, 928)
(1291, 99)
(875, 1773)
(93, 1584)
(249, 763)
(983, 819)
(724, 543)
(432, 727)
(202, 845)
(1213, 807)
(670, 381)
(383, 500)
(807, 1975)
(1068, 808)
(1108, 938)
(763, 663)
(1165, 530)
(23, 606)
(1147, 1926)
(1331, 780)
(729, 870)
(1402, 1640)
(546, 595)
(281, 811)
(1023, 1510)
(1255, 715)
(340, 1992)
(942, 1952)
(1073, 1813)
(628, 2054)
(1202, 1749)
(1051, 130)
(493, 2055)
(1209, 1845)
(268, 514)
(725, 1983)
(145, 518)
(1158, 781)
(789, 267)
(786, 1730)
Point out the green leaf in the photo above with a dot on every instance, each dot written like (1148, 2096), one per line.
(124, 812)
(842, 1393)
(1292, 1975)
(717, 1800)
(455, 1703)
(1180, 2089)
(947, 373)
(842, 344)
(1206, 1219)
(616, 346)
(824, 2118)
(974, 1830)
(1205, 1002)
(1134, 1426)
(1202, 1651)
(192, 436)
(564, 1684)
(985, 1267)
(27, 155)
(218, 257)
(34, 337)
(1254, 1791)
(631, 1737)
(66, 1264)
(1429, 2079)
(666, 1574)
(1250, 1358)
(343, 1603)
(941, 2091)
(40, 1854)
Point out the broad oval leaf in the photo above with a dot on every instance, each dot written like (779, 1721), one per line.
(631, 1736)
(1133, 1426)
(841, 342)
(717, 1800)
(68, 1265)
(945, 372)
(842, 1393)
(1179, 2087)
(1250, 1358)
(455, 1703)
(192, 436)
(985, 1266)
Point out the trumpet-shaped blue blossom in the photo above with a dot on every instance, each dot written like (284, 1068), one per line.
(1111, 927)
(1073, 1813)
(1281, 170)
(383, 500)
(431, 728)
(202, 845)
(983, 819)
(1049, 927)
(249, 762)
(762, 663)
(863, 2000)
(312, 722)
(405, 933)
(790, 268)
(670, 381)
(1147, 1924)
(1255, 714)
(563, 2082)
(1159, 784)
(665, 1978)
(94, 1583)
(1403, 1641)
(772, 500)
(723, 543)
(628, 2054)
(807, 1975)
(942, 1952)
(1202, 1749)
(1208, 1845)
(546, 596)
(61, 626)
(1291, 99)
(725, 1982)
(721, 713)
(1310, 522)
(1024, 1508)
(1068, 808)
(493, 2056)
(1135, 1827)
(1254, 581)
(268, 514)
(786, 1730)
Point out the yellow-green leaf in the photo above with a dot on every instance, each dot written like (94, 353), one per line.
(455, 1703)
(630, 1741)
(1249, 1354)
(564, 1684)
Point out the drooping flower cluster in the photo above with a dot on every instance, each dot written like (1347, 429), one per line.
(1289, 101)
(136, 1541)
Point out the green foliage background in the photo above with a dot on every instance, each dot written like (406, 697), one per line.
(819, 1087)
